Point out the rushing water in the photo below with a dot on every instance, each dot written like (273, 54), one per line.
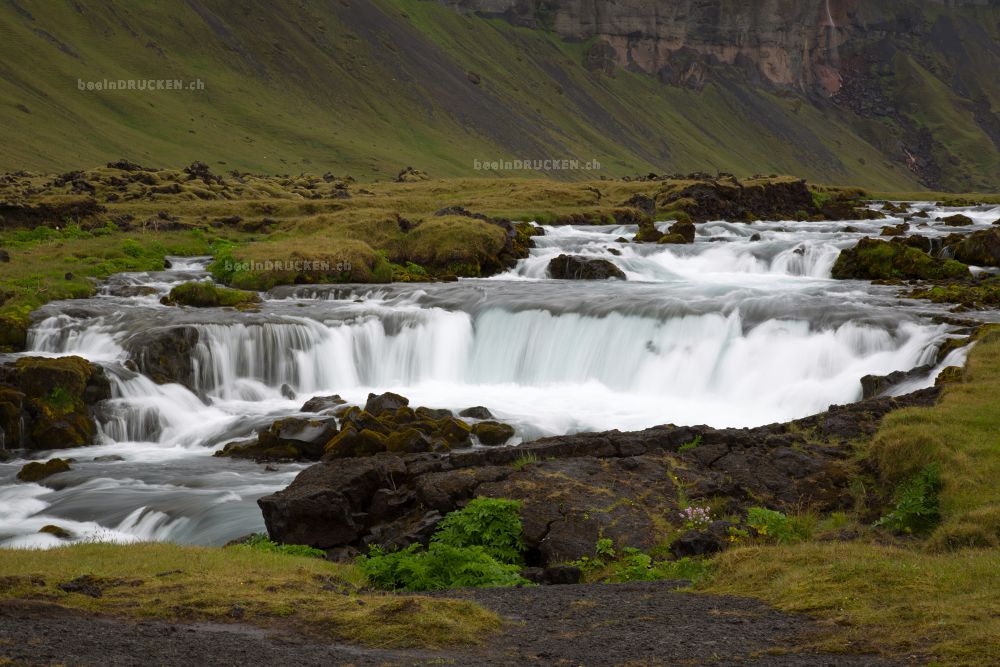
(728, 331)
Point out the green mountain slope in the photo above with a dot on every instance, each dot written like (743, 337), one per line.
(368, 87)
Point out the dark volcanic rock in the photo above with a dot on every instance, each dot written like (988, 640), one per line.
(36, 471)
(291, 438)
(564, 482)
(165, 354)
(323, 403)
(957, 220)
(575, 267)
(730, 200)
(477, 412)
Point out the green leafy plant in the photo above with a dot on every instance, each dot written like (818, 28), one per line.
(917, 508)
(630, 564)
(479, 545)
(688, 446)
(494, 524)
(777, 527)
(261, 542)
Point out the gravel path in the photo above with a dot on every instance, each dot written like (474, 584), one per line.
(635, 624)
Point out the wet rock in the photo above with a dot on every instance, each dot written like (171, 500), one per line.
(876, 385)
(648, 233)
(291, 438)
(56, 531)
(130, 291)
(895, 230)
(323, 403)
(756, 237)
(477, 412)
(492, 433)
(165, 354)
(980, 248)
(202, 294)
(387, 402)
(958, 220)
(683, 228)
(872, 259)
(287, 392)
(386, 498)
(37, 471)
(575, 267)
(50, 403)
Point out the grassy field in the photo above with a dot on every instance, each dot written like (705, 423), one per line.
(369, 88)
(190, 584)
(935, 595)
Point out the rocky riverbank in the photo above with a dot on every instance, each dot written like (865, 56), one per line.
(577, 489)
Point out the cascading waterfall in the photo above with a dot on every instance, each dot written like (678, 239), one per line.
(743, 327)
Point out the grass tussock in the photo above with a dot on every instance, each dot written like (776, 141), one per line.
(245, 584)
(874, 597)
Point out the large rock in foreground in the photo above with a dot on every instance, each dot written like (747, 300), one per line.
(579, 488)
(49, 403)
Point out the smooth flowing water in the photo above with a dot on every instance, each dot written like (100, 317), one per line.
(728, 331)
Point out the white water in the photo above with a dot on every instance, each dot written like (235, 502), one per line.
(728, 331)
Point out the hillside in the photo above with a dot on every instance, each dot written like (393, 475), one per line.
(888, 95)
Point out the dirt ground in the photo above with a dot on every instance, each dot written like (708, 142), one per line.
(585, 625)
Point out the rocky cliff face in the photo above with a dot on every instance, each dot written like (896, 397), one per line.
(877, 59)
(782, 42)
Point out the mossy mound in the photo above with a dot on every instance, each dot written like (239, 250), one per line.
(966, 295)
(289, 439)
(872, 259)
(206, 295)
(980, 248)
(36, 471)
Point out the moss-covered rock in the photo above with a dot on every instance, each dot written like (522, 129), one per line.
(37, 471)
(492, 433)
(958, 220)
(648, 233)
(683, 228)
(291, 438)
(576, 267)
(872, 259)
(13, 333)
(56, 531)
(48, 403)
(202, 294)
(980, 248)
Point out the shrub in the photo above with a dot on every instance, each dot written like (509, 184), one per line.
(777, 527)
(491, 523)
(438, 567)
(917, 509)
(479, 545)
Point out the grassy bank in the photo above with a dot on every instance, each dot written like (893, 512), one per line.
(936, 595)
(189, 584)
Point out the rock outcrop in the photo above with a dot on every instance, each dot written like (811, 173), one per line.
(575, 489)
(50, 403)
(872, 259)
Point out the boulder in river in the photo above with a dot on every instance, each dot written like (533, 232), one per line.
(291, 438)
(323, 403)
(980, 248)
(477, 412)
(492, 433)
(165, 354)
(36, 471)
(957, 220)
(575, 267)
(872, 259)
(50, 403)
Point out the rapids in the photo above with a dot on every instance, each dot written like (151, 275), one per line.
(728, 331)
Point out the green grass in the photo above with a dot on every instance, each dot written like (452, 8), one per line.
(189, 584)
(939, 596)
